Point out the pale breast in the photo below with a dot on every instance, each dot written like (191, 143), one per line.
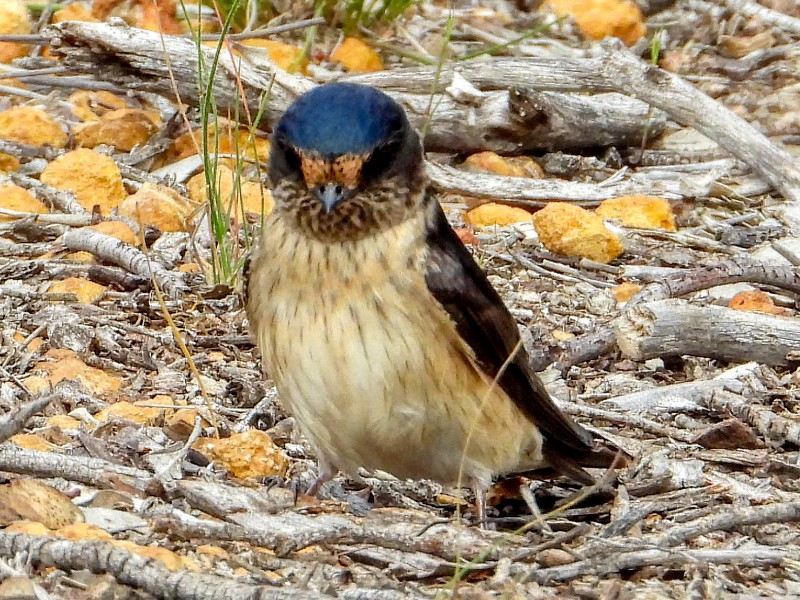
(371, 365)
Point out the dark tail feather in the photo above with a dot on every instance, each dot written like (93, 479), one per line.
(572, 462)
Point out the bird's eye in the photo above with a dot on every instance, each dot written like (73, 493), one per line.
(339, 190)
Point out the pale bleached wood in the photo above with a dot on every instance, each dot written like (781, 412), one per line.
(521, 120)
(675, 328)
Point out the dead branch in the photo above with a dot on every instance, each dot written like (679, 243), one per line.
(688, 105)
(124, 255)
(16, 420)
(536, 193)
(676, 328)
(145, 574)
(397, 529)
(689, 396)
(91, 471)
(671, 285)
(754, 555)
(501, 121)
(763, 420)
(769, 16)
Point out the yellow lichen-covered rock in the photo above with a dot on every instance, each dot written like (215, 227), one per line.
(90, 105)
(28, 125)
(124, 129)
(87, 292)
(8, 163)
(39, 502)
(83, 532)
(287, 56)
(74, 12)
(225, 140)
(171, 560)
(28, 528)
(644, 212)
(136, 412)
(567, 229)
(757, 301)
(625, 291)
(94, 178)
(65, 364)
(248, 454)
(63, 422)
(14, 19)
(30, 441)
(357, 56)
(493, 213)
(604, 18)
(518, 166)
(252, 195)
(117, 229)
(159, 206)
(13, 197)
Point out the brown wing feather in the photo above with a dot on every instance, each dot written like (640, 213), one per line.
(483, 321)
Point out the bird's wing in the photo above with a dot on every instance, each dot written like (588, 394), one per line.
(484, 323)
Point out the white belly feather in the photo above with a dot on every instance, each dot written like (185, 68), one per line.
(372, 367)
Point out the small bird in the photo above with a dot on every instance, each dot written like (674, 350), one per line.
(381, 333)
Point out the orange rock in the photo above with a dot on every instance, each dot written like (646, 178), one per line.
(251, 194)
(13, 197)
(625, 291)
(38, 502)
(288, 57)
(560, 335)
(8, 163)
(181, 424)
(757, 301)
(227, 141)
(63, 422)
(14, 19)
(124, 129)
(73, 12)
(155, 15)
(28, 527)
(82, 532)
(33, 345)
(159, 206)
(87, 292)
(493, 213)
(171, 560)
(643, 212)
(248, 454)
(357, 56)
(520, 166)
(66, 364)
(466, 236)
(117, 229)
(28, 125)
(131, 412)
(567, 229)
(604, 18)
(89, 105)
(29, 441)
(94, 178)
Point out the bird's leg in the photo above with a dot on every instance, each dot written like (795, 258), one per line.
(480, 488)
(325, 473)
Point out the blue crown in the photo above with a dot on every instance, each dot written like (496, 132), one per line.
(341, 118)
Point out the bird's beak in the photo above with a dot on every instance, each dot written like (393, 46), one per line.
(331, 194)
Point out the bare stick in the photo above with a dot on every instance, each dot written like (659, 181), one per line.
(676, 328)
(130, 569)
(124, 255)
(92, 471)
(16, 420)
(768, 16)
(763, 420)
(690, 106)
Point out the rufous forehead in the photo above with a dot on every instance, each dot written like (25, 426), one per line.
(345, 169)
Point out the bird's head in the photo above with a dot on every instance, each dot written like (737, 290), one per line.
(345, 163)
